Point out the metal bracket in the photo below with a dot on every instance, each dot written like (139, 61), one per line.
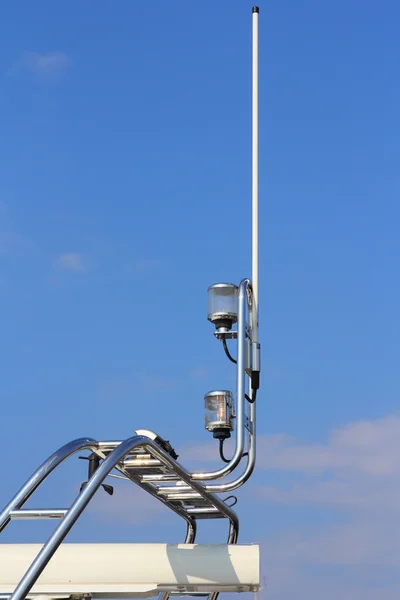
(248, 424)
(228, 335)
(252, 357)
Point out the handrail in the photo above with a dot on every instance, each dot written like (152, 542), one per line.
(42, 472)
(186, 477)
(79, 505)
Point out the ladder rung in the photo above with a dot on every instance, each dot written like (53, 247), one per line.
(189, 500)
(140, 463)
(205, 513)
(178, 495)
(160, 477)
(38, 513)
(174, 489)
(139, 456)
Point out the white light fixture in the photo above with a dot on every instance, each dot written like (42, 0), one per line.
(219, 406)
(223, 305)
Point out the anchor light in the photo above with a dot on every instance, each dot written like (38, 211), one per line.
(223, 305)
(219, 406)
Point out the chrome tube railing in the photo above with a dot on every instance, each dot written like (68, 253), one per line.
(79, 505)
(42, 472)
(245, 300)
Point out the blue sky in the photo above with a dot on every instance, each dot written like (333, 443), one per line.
(125, 192)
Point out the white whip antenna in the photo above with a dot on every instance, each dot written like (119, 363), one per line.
(254, 201)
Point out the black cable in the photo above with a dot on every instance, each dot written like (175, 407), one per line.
(221, 452)
(228, 498)
(253, 397)
(255, 381)
(254, 387)
(229, 355)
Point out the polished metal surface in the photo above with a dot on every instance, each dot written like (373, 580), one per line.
(141, 460)
(244, 422)
(206, 510)
(38, 513)
(145, 460)
(115, 459)
(159, 477)
(42, 472)
(244, 291)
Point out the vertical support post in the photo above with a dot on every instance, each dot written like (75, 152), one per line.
(254, 275)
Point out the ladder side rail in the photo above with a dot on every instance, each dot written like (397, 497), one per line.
(41, 473)
(181, 474)
(77, 508)
(79, 505)
(152, 490)
(216, 502)
(215, 488)
(190, 519)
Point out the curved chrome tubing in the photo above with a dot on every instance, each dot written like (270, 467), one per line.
(245, 292)
(42, 472)
(222, 488)
(192, 498)
(111, 462)
(245, 300)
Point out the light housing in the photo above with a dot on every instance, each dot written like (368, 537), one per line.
(223, 305)
(220, 411)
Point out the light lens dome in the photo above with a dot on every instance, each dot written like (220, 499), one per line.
(223, 304)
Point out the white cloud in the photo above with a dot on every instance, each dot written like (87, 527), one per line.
(354, 560)
(50, 63)
(357, 473)
(354, 554)
(353, 481)
(369, 447)
(288, 580)
(72, 261)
